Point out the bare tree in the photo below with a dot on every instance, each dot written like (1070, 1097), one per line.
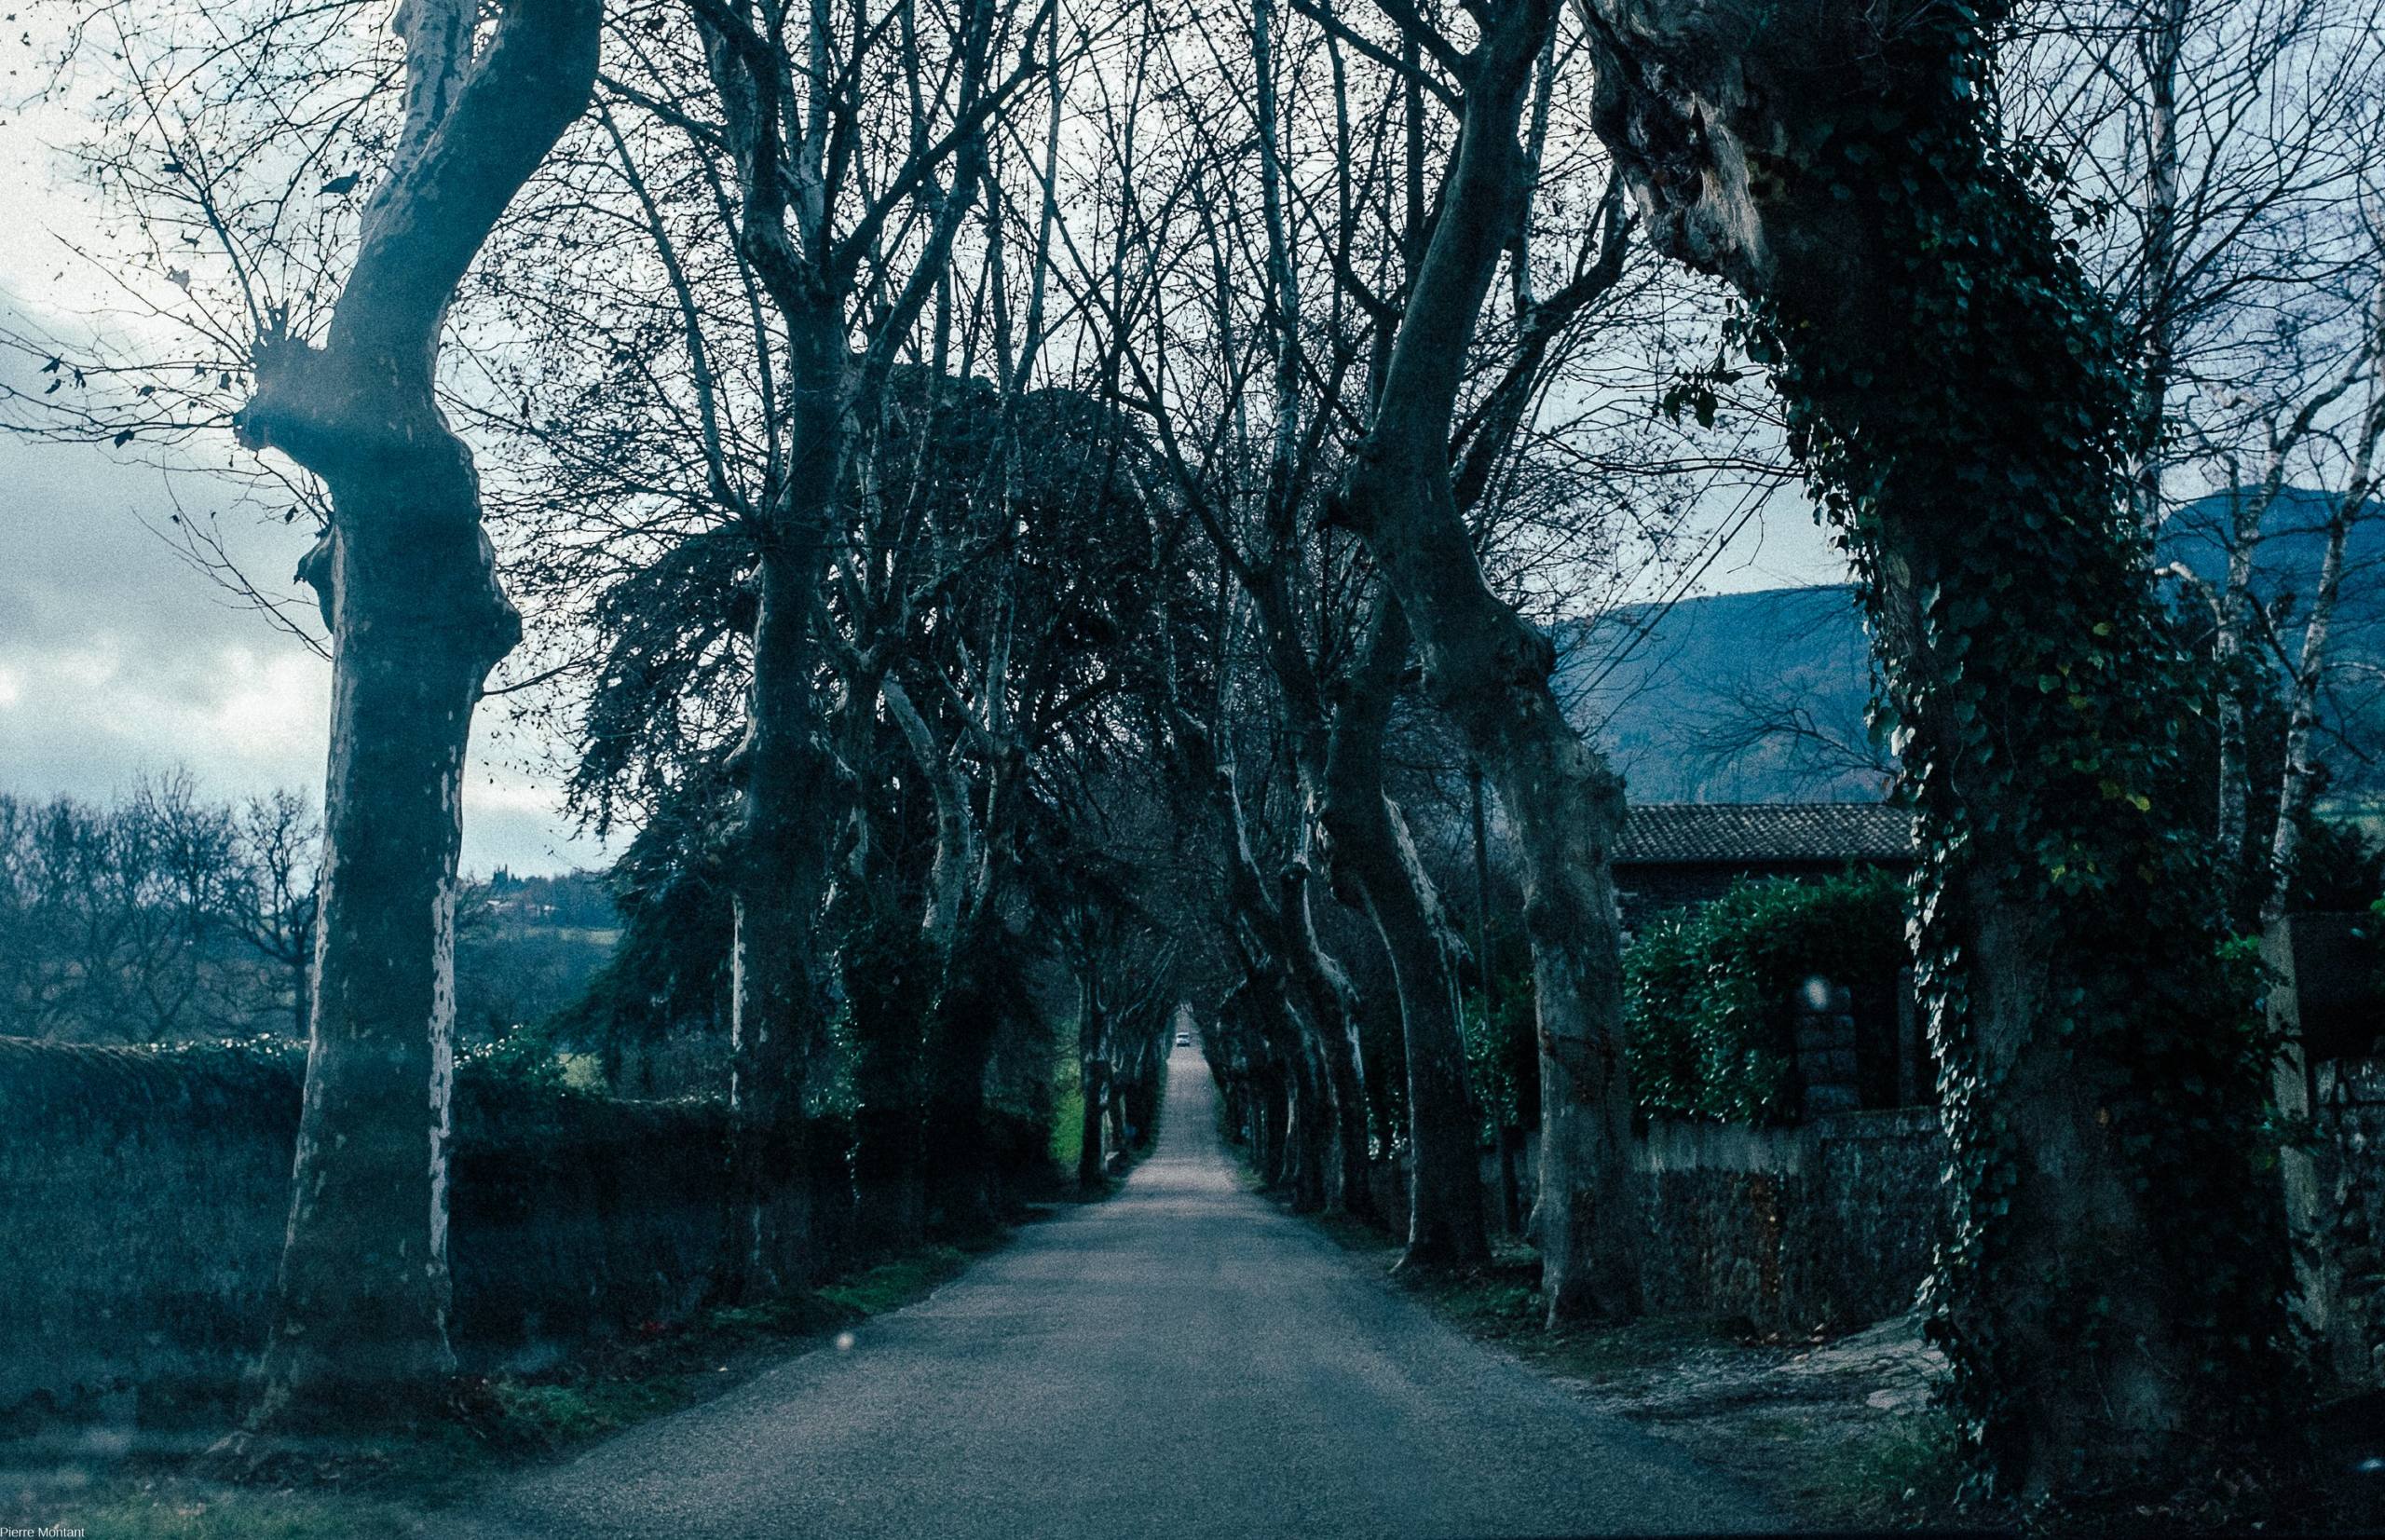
(1490, 673)
(2349, 503)
(277, 890)
(409, 590)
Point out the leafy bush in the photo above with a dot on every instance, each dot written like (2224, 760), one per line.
(1503, 1055)
(1709, 993)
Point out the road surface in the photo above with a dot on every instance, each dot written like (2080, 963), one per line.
(1181, 1360)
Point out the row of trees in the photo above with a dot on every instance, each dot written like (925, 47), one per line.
(166, 918)
(160, 919)
(1006, 480)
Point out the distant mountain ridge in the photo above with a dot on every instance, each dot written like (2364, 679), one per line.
(1676, 694)
(1760, 696)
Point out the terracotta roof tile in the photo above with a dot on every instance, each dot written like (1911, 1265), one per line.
(1681, 833)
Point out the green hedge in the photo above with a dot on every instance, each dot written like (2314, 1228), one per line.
(1709, 993)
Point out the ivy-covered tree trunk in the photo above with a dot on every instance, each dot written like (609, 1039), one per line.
(2110, 1292)
(1490, 674)
(409, 588)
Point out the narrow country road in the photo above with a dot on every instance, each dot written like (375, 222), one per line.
(1180, 1360)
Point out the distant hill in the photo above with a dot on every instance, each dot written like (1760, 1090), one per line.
(1731, 697)
(1760, 696)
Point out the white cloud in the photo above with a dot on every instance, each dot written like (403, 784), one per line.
(276, 708)
(117, 661)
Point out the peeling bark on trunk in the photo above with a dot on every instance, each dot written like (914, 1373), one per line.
(1332, 1012)
(1311, 1144)
(778, 962)
(1490, 674)
(1370, 853)
(408, 584)
(778, 965)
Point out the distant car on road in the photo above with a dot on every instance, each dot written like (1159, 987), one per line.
(1184, 1039)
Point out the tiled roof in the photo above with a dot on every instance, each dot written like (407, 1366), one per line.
(1681, 833)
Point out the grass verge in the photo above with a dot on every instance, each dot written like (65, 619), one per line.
(492, 1423)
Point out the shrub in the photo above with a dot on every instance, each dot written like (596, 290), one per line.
(1502, 1056)
(1709, 993)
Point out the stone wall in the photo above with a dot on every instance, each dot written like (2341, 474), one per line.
(1829, 1224)
(143, 1194)
(2327, 1003)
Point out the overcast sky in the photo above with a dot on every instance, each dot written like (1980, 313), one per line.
(118, 661)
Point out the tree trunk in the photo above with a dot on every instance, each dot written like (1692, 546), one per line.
(361, 1298)
(778, 961)
(779, 997)
(1511, 1197)
(407, 579)
(2109, 1294)
(1095, 1077)
(2157, 308)
(1311, 1145)
(1332, 1012)
(2303, 771)
(2245, 517)
(1370, 850)
(960, 1041)
(1490, 674)
(886, 977)
(1271, 1110)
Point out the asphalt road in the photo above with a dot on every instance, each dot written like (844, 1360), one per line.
(1180, 1360)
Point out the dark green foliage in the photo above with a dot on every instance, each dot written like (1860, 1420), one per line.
(670, 971)
(2339, 869)
(1709, 994)
(1503, 1055)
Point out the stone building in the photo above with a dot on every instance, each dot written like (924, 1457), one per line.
(1677, 853)
(1857, 1043)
